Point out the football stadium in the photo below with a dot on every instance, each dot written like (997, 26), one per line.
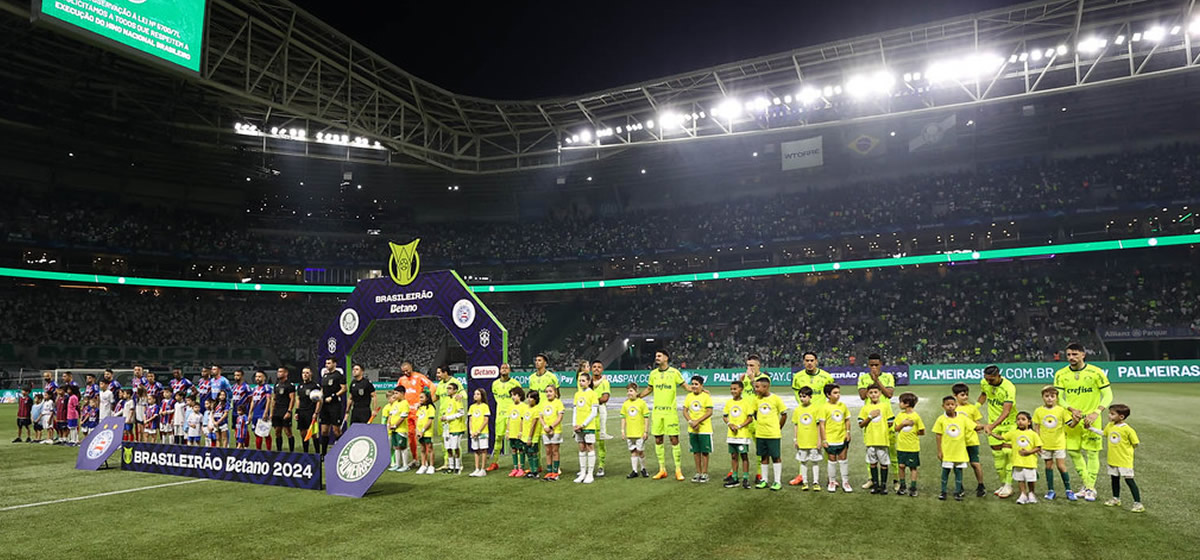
(279, 282)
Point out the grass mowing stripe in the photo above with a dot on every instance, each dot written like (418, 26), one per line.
(102, 494)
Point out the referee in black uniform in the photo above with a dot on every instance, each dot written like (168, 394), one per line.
(306, 408)
(333, 386)
(362, 395)
(285, 403)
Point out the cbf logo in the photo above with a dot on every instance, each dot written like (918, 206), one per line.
(356, 459)
(405, 263)
(485, 338)
(348, 321)
(331, 345)
(100, 444)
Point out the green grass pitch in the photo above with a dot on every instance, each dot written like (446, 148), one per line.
(498, 517)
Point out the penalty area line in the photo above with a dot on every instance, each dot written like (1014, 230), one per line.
(103, 494)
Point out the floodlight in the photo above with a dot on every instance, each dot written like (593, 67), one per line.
(809, 94)
(1155, 34)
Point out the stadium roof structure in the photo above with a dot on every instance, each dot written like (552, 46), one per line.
(277, 80)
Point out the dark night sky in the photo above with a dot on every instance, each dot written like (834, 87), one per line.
(536, 49)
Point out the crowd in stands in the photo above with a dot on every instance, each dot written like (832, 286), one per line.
(1022, 311)
(934, 315)
(1162, 174)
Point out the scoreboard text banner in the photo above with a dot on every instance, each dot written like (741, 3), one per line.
(293, 470)
(167, 30)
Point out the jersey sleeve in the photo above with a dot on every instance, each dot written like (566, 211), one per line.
(864, 381)
(863, 414)
(1133, 437)
(920, 424)
(938, 425)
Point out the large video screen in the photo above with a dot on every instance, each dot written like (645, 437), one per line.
(167, 30)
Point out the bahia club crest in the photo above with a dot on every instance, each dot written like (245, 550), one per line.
(405, 263)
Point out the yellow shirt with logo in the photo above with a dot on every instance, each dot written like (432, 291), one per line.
(835, 422)
(697, 405)
(768, 411)
(1121, 442)
(806, 419)
(1052, 426)
(635, 412)
(907, 438)
(479, 413)
(1023, 440)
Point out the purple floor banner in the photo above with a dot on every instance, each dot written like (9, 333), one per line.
(292, 470)
(100, 444)
(357, 460)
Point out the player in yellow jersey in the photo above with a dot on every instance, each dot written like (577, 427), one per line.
(950, 430)
(834, 431)
(603, 391)
(770, 415)
(1050, 422)
(887, 388)
(426, 418)
(395, 416)
(635, 424)
(909, 428)
(808, 438)
(587, 426)
(531, 420)
(455, 423)
(962, 394)
(1122, 441)
(1025, 445)
(1001, 397)
(477, 429)
(541, 377)
(501, 391)
(514, 429)
(552, 413)
(738, 415)
(698, 411)
(664, 420)
(1084, 391)
(875, 418)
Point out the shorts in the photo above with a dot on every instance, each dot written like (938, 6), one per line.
(1079, 437)
(60, 425)
(193, 439)
(664, 423)
(636, 444)
(515, 445)
(835, 450)
(151, 431)
(1022, 474)
(358, 415)
(739, 449)
(1120, 471)
(399, 439)
(910, 459)
(808, 455)
(973, 453)
(585, 436)
(453, 440)
(23, 423)
(1051, 454)
(222, 427)
(304, 420)
(953, 465)
(332, 414)
(551, 439)
(425, 440)
(878, 455)
(479, 443)
(179, 430)
(1000, 431)
(700, 443)
(531, 448)
(502, 421)
(767, 448)
(279, 421)
(128, 427)
(73, 423)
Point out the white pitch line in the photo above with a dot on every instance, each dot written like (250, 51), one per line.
(101, 495)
